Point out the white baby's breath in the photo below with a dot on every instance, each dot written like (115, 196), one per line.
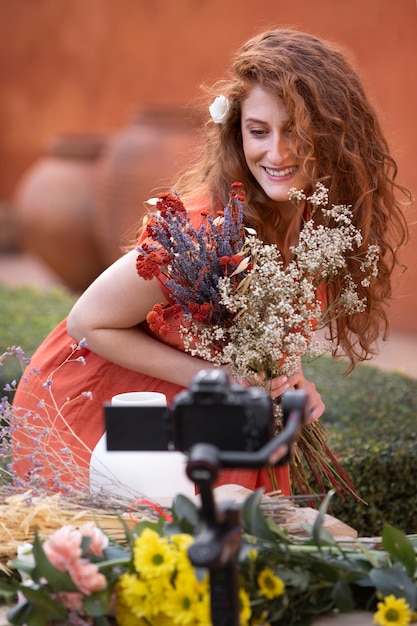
(276, 307)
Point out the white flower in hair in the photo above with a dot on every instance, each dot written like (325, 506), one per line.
(219, 109)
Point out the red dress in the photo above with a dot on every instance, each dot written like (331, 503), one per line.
(59, 411)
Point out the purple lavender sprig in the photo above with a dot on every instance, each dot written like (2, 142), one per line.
(193, 261)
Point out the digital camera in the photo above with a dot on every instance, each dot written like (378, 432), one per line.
(212, 410)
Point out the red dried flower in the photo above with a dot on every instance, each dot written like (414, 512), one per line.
(169, 203)
(149, 266)
(201, 312)
(155, 318)
(240, 194)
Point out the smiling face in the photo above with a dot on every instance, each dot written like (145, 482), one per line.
(266, 129)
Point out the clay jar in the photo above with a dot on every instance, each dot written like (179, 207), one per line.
(54, 204)
(139, 162)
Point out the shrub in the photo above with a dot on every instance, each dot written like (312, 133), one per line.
(27, 315)
(371, 416)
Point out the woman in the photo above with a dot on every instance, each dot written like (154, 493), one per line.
(294, 113)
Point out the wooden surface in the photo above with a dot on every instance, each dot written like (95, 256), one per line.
(3, 618)
(356, 618)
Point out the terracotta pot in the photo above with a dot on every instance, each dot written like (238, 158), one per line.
(54, 204)
(138, 163)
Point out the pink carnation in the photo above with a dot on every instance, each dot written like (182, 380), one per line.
(72, 601)
(87, 577)
(99, 540)
(63, 547)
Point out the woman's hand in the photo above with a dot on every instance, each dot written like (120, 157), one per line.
(315, 405)
(277, 386)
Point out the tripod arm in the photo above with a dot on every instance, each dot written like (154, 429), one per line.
(277, 450)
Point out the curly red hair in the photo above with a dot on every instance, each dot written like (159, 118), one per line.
(338, 139)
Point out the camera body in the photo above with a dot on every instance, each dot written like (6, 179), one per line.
(223, 413)
(213, 410)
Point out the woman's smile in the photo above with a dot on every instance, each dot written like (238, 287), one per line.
(281, 172)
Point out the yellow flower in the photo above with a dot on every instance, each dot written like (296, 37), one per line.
(158, 588)
(270, 586)
(180, 545)
(131, 601)
(182, 540)
(245, 610)
(393, 612)
(203, 610)
(180, 605)
(161, 620)
(134, 595)
(126, 618)
(153, 556)
(252, 554)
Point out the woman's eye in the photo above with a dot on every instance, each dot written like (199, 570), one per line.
(257, 132)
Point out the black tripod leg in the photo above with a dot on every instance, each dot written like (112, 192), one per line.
(224, 591)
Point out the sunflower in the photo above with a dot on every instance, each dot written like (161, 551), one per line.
(270, 586)
(393, 611)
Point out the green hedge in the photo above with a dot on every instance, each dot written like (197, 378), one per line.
(27, 315)
(371, 415)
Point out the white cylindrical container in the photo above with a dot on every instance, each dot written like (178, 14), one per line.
(159, 476)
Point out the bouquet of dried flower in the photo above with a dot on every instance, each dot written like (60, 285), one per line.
(242, 306)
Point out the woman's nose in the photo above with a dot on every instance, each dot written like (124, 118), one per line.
(279, 148)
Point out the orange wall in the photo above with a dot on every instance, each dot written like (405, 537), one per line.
(86, 65)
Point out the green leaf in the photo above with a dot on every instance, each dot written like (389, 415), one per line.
(185, 513)
(399, 547)
(7, 596)
(36, 618)
(328, 571)
(392, 581)
(342, 595)
(98, 604)
(9, 586)
(321, 536)
(128, 533)
(158, 526)
(42, 601)
(114, 554)
(59, 581)
(19, 614)
(254, 521)
(298, 578)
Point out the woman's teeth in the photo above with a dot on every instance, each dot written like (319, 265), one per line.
(281, 173)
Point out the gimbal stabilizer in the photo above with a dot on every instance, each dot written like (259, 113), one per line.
(218, 537)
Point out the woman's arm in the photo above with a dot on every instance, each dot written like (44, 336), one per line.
(107, 314)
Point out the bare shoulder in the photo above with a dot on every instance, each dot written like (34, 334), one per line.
(118, 298)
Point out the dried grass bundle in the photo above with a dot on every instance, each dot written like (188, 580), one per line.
(23, 514)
